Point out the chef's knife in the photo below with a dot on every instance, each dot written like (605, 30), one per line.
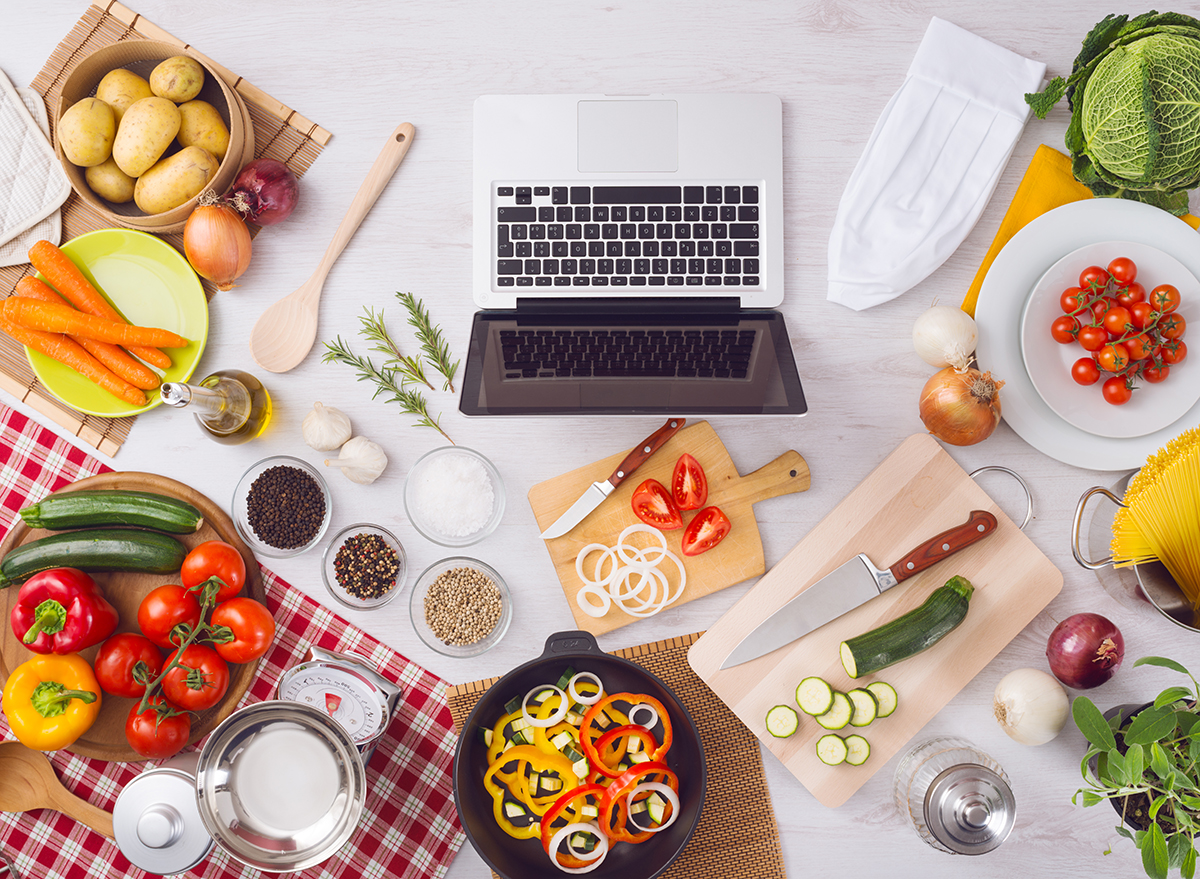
(855, 582)
(598, 491)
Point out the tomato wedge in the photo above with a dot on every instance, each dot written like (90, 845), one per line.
(709, 528)
(689, 485)
(653, 505)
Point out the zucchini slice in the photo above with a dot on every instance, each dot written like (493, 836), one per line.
(865, 706)
(782, 721)
(831, 749)
(814, 696)
(858, 750)
(839, 714)
(885, 695)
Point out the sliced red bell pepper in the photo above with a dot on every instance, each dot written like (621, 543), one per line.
(589, 735)
(618, 740)
(62, 611)
(613, 818)
(569, 807)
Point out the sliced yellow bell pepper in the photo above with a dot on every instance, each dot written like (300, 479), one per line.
(540, 761)
(50, 701)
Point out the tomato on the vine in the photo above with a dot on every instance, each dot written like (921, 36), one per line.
(1063, 329)
(1140, 314)
(1093, 338)
(1123, 270)
(1155, 374)
(1172, 326)
(1115, 320)
(215, 558)
(1139, 346)
(652, 504)
(1093, 277)
(1071, 300)
(1173, 351)
(706, 530)
(154, 736)
(1113, 357)
(1085, 371)
(1101, 306)
(251, 625)
(163, 609)
(1116, 391)
(1165, 298)
(199, 681)
(1131, 294)
(117, 659)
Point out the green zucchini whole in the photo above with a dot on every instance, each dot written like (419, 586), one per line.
(92, 509)
(101, 549)
(909, 634)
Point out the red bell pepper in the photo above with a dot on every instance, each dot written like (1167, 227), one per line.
(568, 807)
(590, 733)
(62, 611)
(613, 818)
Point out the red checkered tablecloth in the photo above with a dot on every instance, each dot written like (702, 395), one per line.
(409, 829)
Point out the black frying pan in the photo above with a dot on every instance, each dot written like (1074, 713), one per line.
(525, 858)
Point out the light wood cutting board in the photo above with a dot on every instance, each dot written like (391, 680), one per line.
(738, 557)
(917, 492)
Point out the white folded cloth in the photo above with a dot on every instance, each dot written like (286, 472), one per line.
(930, 165)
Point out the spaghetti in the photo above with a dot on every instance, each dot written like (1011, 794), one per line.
(1160, 519)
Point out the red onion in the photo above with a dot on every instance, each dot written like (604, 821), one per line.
(265, 192)
(1085, 650)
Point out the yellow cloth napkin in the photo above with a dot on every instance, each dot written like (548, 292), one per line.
(1047, 184)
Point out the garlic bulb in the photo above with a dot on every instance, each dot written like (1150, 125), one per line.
(361, 460)
(325, 428)
(1031, 706)
(945, 336)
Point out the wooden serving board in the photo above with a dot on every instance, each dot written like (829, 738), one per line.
(738, 557)
(105, 740)
(917, 491)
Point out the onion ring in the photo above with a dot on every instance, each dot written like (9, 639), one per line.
(646, 706)
(583, 599)
(639, 528)
(607, 552)
(585, 700)
(636, 598)
(672, 798)
(542, 722)
(564, 832)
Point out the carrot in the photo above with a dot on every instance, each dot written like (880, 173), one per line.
(65, 351)
(112, 356)
(66, 277)
(52, 318)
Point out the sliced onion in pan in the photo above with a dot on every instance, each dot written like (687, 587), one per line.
(665, 790)
(564, 832)
(586, 700)
(559, 713)
(643, 706)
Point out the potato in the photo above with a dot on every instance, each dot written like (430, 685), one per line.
(174, 180)
(201, 125)
(178, 79)
(86, 132)
(110, 182)
(120, 88)
(147, 129)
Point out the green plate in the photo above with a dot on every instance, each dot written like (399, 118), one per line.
(151, 284)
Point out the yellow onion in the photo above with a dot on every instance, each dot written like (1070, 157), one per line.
(217, 242)
(961, 408)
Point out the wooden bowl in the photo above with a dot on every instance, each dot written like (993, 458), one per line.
(141, 57)
(105, 740)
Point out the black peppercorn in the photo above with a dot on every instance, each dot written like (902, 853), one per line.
(285, 507)
(365, 566)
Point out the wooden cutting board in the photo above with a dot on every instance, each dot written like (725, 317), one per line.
(917, 492)
(738, 557)
(105, 739)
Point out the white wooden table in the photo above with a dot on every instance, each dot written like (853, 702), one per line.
(360, 67)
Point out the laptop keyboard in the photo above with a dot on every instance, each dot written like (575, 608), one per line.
(627, 236)
(622, 353)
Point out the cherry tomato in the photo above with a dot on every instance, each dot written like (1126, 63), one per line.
(652, 504)
(1063, 329)
(1155, 374)
(163, 609)
(1093, 338)
(689, 485)
(154, 736)
(252, 627)
(1115, 320)
(117, 659)
(1093, 277)
(1071, 300)
(1172, 326)
(705, 531)
(1085, 371)
(1123, 270)
(1116, 391)
(1139, 346)
(1131, 294)
(1113, 357)
(214, 558)
(1140, 313)
(1173, 351)
(200, 681)
(1165, 298)
(1100, 306)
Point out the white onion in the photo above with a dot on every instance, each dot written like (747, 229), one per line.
(542, 722)
(1031, 706)
(945, 336)
(672, 798)
(564, 832)
(586, 700)
(646, 596)
(591, 590)
(644, 706)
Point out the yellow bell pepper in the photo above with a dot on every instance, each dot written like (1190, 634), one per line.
(51, 700)
(540, 762)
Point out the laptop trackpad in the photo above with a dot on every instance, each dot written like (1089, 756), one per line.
(624, 395)
(628, 136)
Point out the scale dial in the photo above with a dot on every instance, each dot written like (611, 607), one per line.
(341, 693)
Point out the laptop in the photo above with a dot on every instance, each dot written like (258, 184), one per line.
(628, 257)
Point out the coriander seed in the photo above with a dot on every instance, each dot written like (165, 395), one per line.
(463, 606)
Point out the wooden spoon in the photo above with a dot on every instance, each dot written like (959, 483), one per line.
(286, 331)
(27, 781)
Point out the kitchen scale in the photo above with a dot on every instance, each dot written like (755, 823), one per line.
(348, 689)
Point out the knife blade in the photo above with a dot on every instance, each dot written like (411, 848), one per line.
(598, 491)
(853, 583)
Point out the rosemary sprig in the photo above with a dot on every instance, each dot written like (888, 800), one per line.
(433, 346)
(387, 379)
(375, 330)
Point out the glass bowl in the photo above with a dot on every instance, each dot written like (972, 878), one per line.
(419, 517)
(241, 509)
(416, 607)
(339, 592)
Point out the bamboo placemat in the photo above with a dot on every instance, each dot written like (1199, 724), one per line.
(737, 835)
(279, 133)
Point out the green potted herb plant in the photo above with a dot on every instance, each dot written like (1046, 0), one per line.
(1145, 760)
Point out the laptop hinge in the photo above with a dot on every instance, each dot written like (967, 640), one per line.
(631, 305)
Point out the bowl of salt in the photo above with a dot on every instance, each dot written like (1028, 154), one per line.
(454, 496)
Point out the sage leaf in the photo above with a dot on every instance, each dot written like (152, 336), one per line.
(1194, 749)
(1171, 695)
(1117, 770)
(1092, 723)
(1151, 725)
(1154, 853)
(1177, 846)
(1089, 798)
(1124, 831)
(1163, 663)
(1158, 760)
(1188, 868)
(1135, 762)
(1156, 805)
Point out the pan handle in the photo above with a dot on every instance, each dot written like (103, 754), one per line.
(1078, 526)
(1024, 486)
(570, 642)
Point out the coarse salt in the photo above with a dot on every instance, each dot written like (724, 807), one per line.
(453, 495)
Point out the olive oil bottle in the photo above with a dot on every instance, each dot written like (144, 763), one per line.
(232, 406)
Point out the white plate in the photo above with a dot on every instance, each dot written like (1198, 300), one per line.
(1152, 406)
(1016, 270)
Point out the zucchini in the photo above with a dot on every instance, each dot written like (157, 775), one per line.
(839, 714)
(885, 695)
(831, 749)
(814, 696)
(858, 750)
(865, 706)
(92, 509)
(782, 721)
(102, 549)
(909, 634)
